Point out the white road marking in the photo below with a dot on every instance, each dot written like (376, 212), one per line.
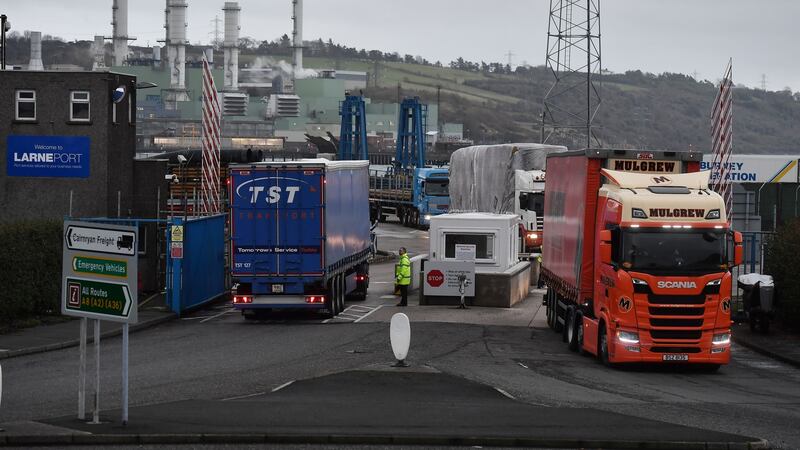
(193, 318)
(367, 314)
(387, 296)
(523, 365)
(360, 308)
(380, 282)
(216, 315)
(504, 393)
(283, 386)
(348, 315)
(243, 396)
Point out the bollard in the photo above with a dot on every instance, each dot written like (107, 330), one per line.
(400, 337)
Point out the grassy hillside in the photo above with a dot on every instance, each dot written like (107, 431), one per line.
(667, 111)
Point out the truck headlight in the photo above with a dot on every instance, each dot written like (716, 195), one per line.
(721, 339)
(427, 217)
(533, 236)
(628, 337)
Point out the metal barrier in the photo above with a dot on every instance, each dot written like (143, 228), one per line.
(754, 244)
(196, 269)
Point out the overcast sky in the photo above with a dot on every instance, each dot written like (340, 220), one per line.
(685, 36)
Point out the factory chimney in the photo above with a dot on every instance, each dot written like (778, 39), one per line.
(99, 52)
(176, 43)
(36, 51)
(297, 36)
(231, 46)
(119, 23)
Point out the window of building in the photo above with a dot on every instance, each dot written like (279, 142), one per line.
(79, 106)
(484, 244)
(26, 105)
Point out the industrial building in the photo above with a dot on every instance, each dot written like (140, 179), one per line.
(68, 143)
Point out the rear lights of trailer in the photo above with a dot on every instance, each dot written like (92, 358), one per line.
(315, 299)
(361, 278)
(242, 299)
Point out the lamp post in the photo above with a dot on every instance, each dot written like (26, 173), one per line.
(5, 25)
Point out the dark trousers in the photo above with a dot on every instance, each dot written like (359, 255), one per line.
(403, 294)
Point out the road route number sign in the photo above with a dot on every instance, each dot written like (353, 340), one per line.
(100, 271)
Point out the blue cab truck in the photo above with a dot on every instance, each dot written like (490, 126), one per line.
(414, 196)
(299, 235)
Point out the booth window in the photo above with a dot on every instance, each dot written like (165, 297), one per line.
(26, 105)
(484, 244)
(79, 106)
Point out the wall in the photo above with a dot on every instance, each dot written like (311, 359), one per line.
(111, 149)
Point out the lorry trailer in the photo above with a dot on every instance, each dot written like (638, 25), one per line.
(299, 235)
(637, 260)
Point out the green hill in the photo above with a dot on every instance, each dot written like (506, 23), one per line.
(639, 110)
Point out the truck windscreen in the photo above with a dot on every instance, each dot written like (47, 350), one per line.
(437, 187)
(663, 250)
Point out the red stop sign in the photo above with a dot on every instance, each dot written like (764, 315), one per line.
(435, 278)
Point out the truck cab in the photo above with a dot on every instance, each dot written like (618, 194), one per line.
(431, 194)
(529, 205)
(662, 282)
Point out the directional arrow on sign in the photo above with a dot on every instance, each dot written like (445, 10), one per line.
(101, 240)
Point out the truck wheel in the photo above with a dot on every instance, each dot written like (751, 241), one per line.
(330, 300)
(341, 293)
(568, 318)
(557, 326)
(575, 331)
(549, 308)
(602, 346)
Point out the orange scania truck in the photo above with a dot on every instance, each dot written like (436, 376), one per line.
(637, 257)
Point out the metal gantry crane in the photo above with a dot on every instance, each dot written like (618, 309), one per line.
(353, 134)
(411, 130)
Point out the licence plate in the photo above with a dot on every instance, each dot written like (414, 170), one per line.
(674, 357)
(277, 289)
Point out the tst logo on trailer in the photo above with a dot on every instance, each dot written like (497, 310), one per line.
(268, 190)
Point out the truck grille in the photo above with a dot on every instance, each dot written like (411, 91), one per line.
(676, 299)
(685, 323)
(676, 334)
(675, 349)
(665, 311)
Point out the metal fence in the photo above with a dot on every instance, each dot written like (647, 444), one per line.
(754, 244)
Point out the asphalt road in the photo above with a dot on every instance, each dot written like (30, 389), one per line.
(216, 355)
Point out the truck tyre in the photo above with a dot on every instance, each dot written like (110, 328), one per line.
(330, 300)
(575, 331)
(602, 346)
(549, 308)
(568, 318)
(557, 327)
(341, 293)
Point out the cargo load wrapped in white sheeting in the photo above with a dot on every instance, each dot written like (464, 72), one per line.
(482, 176)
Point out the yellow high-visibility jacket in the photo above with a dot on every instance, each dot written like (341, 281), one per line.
(402, 271)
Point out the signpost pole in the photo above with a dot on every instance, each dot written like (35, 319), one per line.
(125, 342)
(96, 414)
(82, 373)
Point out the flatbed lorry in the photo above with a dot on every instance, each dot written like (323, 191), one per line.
(299, 235)
(413, 195)
(637, 260)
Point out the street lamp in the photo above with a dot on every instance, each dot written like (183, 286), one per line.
(5, 25)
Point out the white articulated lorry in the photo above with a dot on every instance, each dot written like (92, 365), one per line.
(503, 179)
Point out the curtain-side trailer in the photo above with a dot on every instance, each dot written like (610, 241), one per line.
(637, 257)
(299, 235)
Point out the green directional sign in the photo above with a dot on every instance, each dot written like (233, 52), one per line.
(110, 300)
(100, 271)
(98, 266)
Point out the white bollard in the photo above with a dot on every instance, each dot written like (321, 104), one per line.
(400, 337)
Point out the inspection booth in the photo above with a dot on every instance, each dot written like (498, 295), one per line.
(501, 279)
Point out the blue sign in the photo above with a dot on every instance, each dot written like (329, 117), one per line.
(47, 156)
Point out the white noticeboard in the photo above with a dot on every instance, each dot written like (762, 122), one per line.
(465, 252)
(441, 278)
